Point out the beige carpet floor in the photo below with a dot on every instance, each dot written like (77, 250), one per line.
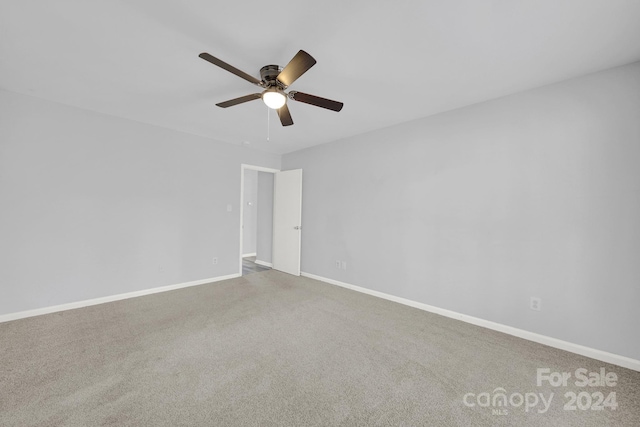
(270, 349)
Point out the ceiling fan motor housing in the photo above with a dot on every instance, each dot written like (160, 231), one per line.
(269, 73)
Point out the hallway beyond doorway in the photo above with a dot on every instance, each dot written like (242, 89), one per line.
(249, 266)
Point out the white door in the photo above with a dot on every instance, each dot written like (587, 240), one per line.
(287, 217)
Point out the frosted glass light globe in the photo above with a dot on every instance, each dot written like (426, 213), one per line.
(273, 98)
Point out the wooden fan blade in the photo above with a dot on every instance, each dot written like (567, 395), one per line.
(285, 116)
(236, 101)
(230, 68)
(296, 67)
(316, 100)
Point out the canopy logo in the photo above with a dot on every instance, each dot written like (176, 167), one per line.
(536, 402)
(499, 401)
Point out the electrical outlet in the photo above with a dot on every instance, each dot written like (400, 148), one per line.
(344, 265)
(535, 304)
(215, 260)
(338, 264)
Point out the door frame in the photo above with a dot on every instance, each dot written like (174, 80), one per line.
(244, 167)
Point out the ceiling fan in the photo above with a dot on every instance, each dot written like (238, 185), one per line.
(274, 81)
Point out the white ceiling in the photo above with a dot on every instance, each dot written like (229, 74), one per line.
(389, 62)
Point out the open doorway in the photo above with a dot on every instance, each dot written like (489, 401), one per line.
(256, 218)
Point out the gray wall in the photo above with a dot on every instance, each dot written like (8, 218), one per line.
(94, 205)
(250, 212)
(265, 216)
(478, 209)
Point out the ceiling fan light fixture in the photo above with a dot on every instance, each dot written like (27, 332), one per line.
(274, 98)
(274, 81)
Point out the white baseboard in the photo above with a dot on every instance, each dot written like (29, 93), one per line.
(102, 300)
(248, 255)
(263, 263)
(593, 353)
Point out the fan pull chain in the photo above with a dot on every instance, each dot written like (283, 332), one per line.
(268, 124)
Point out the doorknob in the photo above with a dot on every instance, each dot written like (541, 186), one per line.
(297, 227)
